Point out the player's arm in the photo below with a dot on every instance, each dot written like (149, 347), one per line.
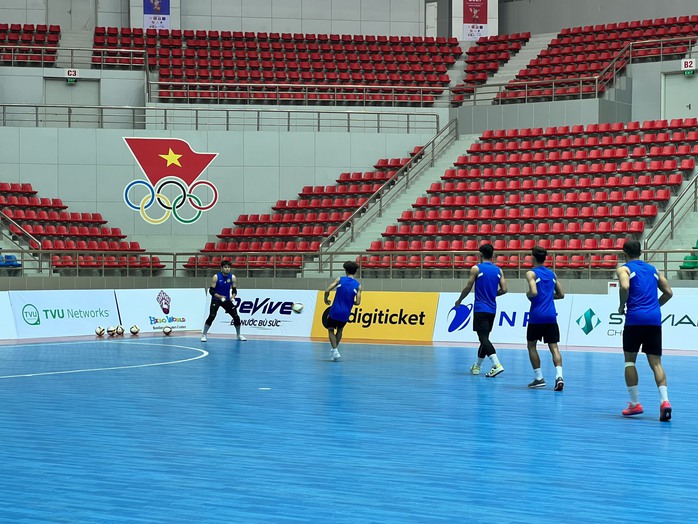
(665, 288)
(503, 289)
(559, 294)
(357, 298)
(531, 282)
(212, 289)
(329, 289)
(233, 288)
(624, 287)
(474, 271)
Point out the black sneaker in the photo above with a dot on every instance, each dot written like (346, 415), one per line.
(559, 384)
(537, 383)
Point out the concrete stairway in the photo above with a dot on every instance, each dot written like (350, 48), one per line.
(417, 188)
(75, 40)
(518, 62)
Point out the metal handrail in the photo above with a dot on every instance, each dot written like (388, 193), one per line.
(684, 203)
(391, 188)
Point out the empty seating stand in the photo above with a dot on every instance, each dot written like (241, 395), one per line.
(247, 67)
(29, 44)
(278, 240)
(579, 54)
(580, 191)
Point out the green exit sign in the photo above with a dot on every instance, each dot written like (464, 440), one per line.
(689, 72)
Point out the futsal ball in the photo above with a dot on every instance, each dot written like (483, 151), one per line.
(119, 329)
(297, 307)
(111, 331)
(135, 329)
(167, 330)
(99, 331)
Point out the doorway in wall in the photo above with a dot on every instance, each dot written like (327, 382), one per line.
(430, 18)
(679, 96)
(72, 15)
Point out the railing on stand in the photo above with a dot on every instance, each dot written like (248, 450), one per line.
(393, 187)
(685, 203)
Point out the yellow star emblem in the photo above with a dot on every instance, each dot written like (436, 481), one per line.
(171, 158)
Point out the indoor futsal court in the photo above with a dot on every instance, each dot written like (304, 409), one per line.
(167, 430)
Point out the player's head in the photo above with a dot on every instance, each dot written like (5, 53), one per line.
(226, 266)
(632, 248)
(350, 267)
(486, 251)
(539, 254)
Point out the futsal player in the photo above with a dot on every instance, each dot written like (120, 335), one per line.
(543, 290)
(347, 295)
(643, 324)
(223, 293)
(489, 283)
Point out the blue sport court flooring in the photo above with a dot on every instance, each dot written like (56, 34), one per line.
(169, 430)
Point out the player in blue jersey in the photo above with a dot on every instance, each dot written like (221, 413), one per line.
(640, 303)
(489, 283)
(223, 293)
(348, 295)
(543, 289)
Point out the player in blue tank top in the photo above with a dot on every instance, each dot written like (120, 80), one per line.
(348, 295)
(489, 283)
(543, 289)
(223, 293)
(641, 303)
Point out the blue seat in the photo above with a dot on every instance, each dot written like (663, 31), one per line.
(9, 261)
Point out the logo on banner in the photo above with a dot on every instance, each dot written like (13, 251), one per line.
(589, 321)
(459, 317)
(31, 315)
(169, 162)
(164, 300)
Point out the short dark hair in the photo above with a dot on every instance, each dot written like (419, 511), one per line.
(632, 248)
(539, 253)
(350, 267)
(486, 250)
(226, 262)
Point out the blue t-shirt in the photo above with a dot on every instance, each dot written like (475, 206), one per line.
(344, 299)
(486, 287)
(543, 305)
(223, 284)
(643, 299)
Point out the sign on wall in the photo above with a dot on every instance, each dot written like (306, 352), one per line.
(474, 19)
(266, 312)
(169, 163)
(385, 316)
(59, 313)
(153, 309)
(156, 14)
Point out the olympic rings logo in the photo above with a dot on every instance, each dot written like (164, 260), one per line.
(169, 208)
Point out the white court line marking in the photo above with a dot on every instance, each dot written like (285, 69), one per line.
(203, 354)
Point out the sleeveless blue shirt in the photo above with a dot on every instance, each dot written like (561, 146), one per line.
(486, 287)
(344, 298)
(223, 284)
(643, 298)
(543, 305)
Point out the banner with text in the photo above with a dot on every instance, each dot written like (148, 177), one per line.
(385, 315)
(8, 332)
(474, 19)
(153, 309)
(156, 14)
(267, 312)
(62, 313)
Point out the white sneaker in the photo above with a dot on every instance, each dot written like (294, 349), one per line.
(203, 338)
(334, 355)
(240, 337)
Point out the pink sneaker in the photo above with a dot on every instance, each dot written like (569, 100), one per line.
(634, 409)
(665, 411)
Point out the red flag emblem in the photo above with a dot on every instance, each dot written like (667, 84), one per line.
(168, 157)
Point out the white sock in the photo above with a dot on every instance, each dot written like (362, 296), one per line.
(479, 361)
(558, 371)
(634, 393)
(663, 393)
(538, 373)
(495, 360)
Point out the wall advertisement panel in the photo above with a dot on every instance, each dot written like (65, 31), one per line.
(474, 19)
(60, 313)
(390, 316)
(153, 309)
(156, 14)
(8, 331)
(266, 312)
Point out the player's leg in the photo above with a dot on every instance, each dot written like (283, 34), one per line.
(212, 312)
(333, 338)
(652, 346)
(532, 337)
(484, 337)
(230, 308)
(631, 347)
